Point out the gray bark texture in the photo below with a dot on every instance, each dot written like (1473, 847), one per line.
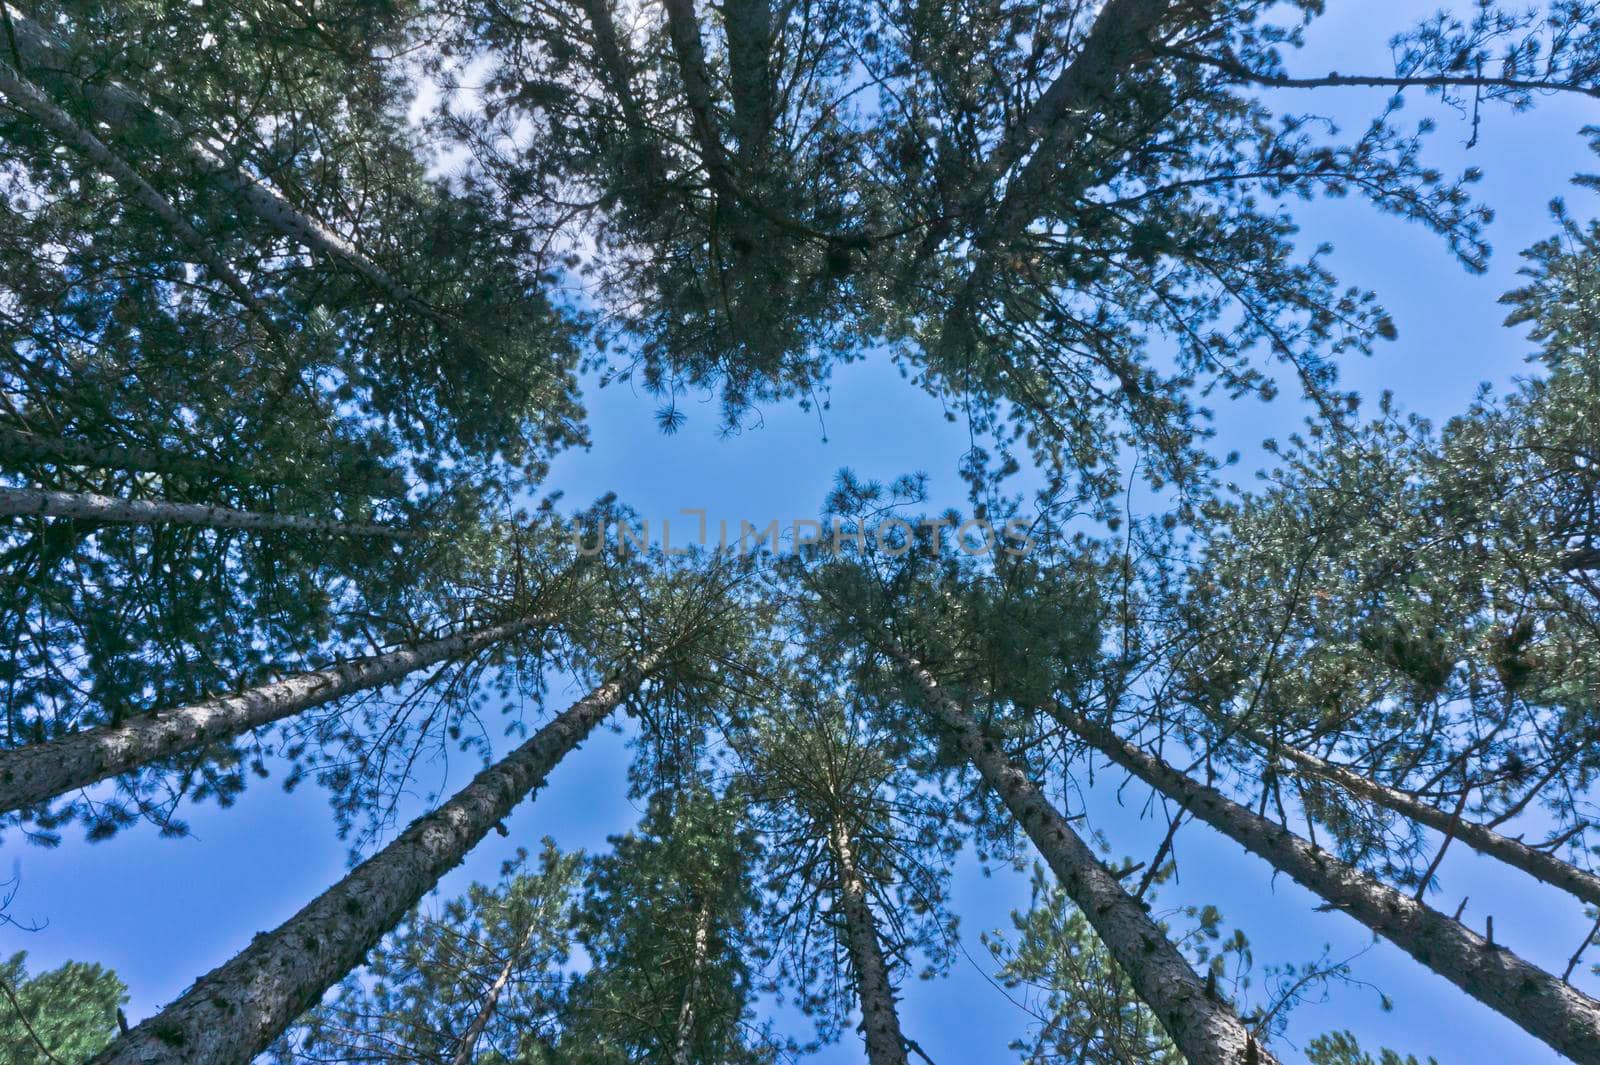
(18, 444)
(87, 506)
(1539, 864)
(683, 1044)
(1544, 1006)
(880, 1020)
(37, 772)
(1203, 1027)
(235, 1011)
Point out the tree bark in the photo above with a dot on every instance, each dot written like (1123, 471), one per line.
(1540, 1004)
(683, 1043)
(491, 1000)
(21, 444)
(880, 1020)
(31, 100)
(1204, 1028)
(1119, 37)
(87, 506)
(121, 109)
(749, 32)
(683, 26)
(235, 1012)
(38, 772)
(608, 49)
(1541, 865)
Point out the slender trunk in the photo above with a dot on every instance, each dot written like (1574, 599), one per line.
(1541, 865)
(20, 444)
(1204, 1028)
(1542, 1005)
(31, 100)
(491, 999)
(122, 109)
(235, 1012)
(37, 772)
(880, 1021)
(608, 49)
(683, 1044)
(87, 506)
(683, 26)
(749, 34)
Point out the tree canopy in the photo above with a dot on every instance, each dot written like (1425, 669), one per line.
(296, 299)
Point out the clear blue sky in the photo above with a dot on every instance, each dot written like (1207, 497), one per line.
(161, 912)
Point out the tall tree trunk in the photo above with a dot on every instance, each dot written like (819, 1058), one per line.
(1204, 1028)
(1541, 865)
(1110, 46)
(32, 101)
(37, 772)
(683, 26)
(121, 109)
(608, 49)
(880, 1021)
(19, 444)
(1541, 1004)
(87, 506)
(491, 998)
(749, 31)
(683, 1042)
(235, 1012)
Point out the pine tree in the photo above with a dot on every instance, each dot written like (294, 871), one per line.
(63, 1015)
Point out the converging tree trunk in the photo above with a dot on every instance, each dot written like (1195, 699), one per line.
(683, 26)
(32, 101)
(1204, 1028)
(121, 109)
(235, 1012)
(87, 506)
(683, 1042)
(1539, 864)
(880, 1020)
(1541, 1004)
(18, 444)
(491, 998)
(35, 773)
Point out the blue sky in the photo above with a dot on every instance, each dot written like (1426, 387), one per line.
(161, 912)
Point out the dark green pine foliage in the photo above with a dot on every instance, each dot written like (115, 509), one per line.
(490, 962)
(128, 371)
(312, 103)
(1341, 1048)
(65, 1015)
(1078, 221)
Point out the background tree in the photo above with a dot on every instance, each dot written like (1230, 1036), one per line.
(63, 1015)
(664, 919)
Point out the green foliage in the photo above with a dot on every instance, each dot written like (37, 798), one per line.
(1341, 1048)
(665, 921)
(68, 1013)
